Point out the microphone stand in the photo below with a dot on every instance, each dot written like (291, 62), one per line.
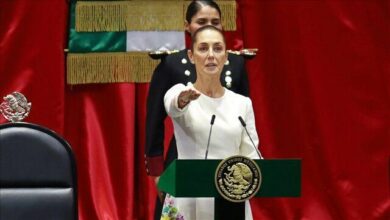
(208, 141)
(246, 130)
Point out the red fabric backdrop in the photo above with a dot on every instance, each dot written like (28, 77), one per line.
(319, 84)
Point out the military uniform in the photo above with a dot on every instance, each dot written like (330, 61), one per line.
(176, 68)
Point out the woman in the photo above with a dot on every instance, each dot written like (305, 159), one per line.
(176, 68)
(192, 105)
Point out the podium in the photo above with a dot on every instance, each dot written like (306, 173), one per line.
(196, 178)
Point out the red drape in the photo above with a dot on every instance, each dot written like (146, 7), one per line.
(319, 84)
(320, 87)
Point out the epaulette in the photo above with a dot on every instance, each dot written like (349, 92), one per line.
(246, 53)
(159, 54)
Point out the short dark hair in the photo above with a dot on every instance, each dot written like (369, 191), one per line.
(195, 6)
(201, 29)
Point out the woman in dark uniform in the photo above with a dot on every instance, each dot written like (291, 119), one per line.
(177, 68)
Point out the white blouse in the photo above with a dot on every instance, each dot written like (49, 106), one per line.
(228, 138)
(192, 125)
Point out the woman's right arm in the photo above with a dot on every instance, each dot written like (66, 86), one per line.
(177, 99)
(171, 101)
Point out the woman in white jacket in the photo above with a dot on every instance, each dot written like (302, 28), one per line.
(191, 108)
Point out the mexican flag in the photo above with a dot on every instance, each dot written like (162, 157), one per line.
(109, 41)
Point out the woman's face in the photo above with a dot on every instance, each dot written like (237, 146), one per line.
(208, 53)
(205, 16)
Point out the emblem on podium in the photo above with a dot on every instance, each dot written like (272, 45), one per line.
(238, 178)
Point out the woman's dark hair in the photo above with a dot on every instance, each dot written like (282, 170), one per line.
(195, 6)
(206, 27)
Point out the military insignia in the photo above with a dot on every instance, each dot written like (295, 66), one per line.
(159, 54)
(238, 178)
(15, 107)
(246, 53)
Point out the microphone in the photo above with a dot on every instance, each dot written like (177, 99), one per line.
(246, 130)
(208, 141)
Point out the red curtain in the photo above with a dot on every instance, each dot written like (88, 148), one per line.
(319, 84)
(320, 87)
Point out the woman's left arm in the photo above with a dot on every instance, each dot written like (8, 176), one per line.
(246, 147)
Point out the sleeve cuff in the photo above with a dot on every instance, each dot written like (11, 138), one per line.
(154, 165)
